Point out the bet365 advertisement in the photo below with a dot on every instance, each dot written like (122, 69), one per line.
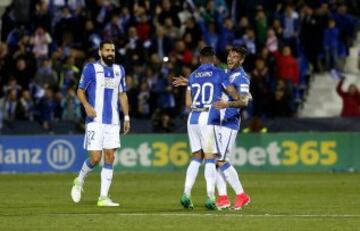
(280, 152)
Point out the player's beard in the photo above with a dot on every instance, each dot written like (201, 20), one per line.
(108, 60)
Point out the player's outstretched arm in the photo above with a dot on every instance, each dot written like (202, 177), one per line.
(125, 108)
(178, 81)
(90, 111)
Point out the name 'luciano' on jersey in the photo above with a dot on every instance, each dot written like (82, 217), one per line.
(203, 74)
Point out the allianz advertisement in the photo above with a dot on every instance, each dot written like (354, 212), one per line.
(154, 153)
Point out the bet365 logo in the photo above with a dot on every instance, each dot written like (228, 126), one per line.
(288, 153)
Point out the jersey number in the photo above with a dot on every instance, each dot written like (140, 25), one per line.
(203, 94)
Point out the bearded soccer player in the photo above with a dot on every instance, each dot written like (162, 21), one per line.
(101, 88)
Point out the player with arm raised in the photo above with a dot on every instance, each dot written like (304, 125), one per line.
(206, 85)
(101, 88)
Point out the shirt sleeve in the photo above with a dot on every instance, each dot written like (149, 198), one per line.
(224, 79)
(87, 76)
(122, 85)
(190, 80)
(243, 85)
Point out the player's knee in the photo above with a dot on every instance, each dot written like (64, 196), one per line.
(109, 159)
(95, 159)
(220, 163)
(209, 156)
(198, 155)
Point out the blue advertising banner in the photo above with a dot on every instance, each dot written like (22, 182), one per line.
(41, 153)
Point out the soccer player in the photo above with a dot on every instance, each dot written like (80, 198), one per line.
(205, 86)
(231, 121)
(227, 132)
(101, 88)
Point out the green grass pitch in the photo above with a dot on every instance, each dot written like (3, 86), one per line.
(150, 201)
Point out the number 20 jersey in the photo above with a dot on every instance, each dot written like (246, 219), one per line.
(207, 83)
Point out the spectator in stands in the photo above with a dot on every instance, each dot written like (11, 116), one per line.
(311, 35)
(331, 44)
(350, 98)
(143, 27)
(8, 106)
(170, 30)
(280, 103)
(276, 25)
(71, 106)
(22, 73)
(46, 109)
(261, 26)
(112, 29)
(260, 87)
(69, 75)
(92, 37)
(5, 63)
(46, 76)
(26, 106)
(290, 23)
(143, 100)
(271, 41)
(132, 93)
(167, 10)
(287, 66)
(42, 16)
(162, 122)
(182, 53)
(12, 85)
(40, 41)
(161, 43)
(346, 23)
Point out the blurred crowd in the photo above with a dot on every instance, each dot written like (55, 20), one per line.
(45, 44)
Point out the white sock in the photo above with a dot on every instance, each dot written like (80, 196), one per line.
(85, 170)
(210, 177)
(106, 178)
(232, 178)
(191, 174)
(220, 183)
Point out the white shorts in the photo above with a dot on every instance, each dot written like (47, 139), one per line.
(202, 137)
(225, 139)
(100, 136)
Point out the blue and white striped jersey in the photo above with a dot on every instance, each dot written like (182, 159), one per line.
(103, 85)
(207, 83)
(231, 117)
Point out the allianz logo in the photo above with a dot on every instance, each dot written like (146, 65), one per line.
(60, 154)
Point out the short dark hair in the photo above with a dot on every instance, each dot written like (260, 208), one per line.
(207, 51)
(106, 41)
(241, 50)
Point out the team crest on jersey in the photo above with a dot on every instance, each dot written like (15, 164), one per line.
(233, 76)
(117, 73)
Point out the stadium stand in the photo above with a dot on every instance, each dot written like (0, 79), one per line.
(45, 43)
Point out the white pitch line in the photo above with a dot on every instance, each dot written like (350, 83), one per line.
(201, 215)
